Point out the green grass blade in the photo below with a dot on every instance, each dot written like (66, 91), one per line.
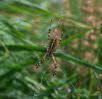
(78, 61)
(72, 38)
(38, 10)
(61, 55)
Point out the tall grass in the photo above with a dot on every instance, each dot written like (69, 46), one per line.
(25, 23)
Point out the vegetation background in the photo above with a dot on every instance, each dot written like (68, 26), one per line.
(24, 25)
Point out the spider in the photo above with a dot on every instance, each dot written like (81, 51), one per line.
(54, 38)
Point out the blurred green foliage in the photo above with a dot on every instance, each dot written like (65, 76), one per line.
(23, 25)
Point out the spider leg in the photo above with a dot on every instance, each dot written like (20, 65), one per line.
(54, 60)
(42, 61)
(55, 65)
(61, 36)
(36, 66)
(49, 33)
(62, 29)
